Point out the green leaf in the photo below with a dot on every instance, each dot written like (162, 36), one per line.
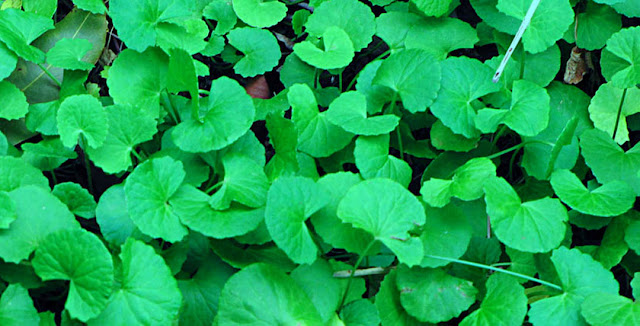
(613, 246)
(260, 13)
(94, 6)
(31, 227)
(414, 75)
(316, 135)
(433, 7)
(16, 307)
(439, 36)
(296, 71)
(15, 104)
(487, 11)
(260, 48)
(47, 154)
(146, 70)
(19, 28)
(78, 200)
(222, 12)
(534, 226)
(182, 76)
(568, 117)
(284, 139)
(608, 162)
(15, 173)
(244, 182)
(290, 201)
(466, 183)
(432, 295)
(388, 211)
(326, 222)
(528, 114)
(548, 24)
(621, 59)
(200, 294)
(8, 212)
(388, 303)
(604, 107)
(128, 127)
(392, 27)
(148, 189)
(504, 304)
(82, 116)
(377, 95)
(68, 54)
(373, 160)
(324, 290)
(352, 16)
(262, 293)
(336, 51)
(8, 61)
(447, 233)
(628, 8)
(195, 211)
(349, 111)
(113, 217)
(138, 23)
(443, 138)
(187, 35)
(226, 114)
(463, 81)
(79, 257)
(44, 8)
(596, 25)
(138, 298)
(610, 309)
(611, 199)
(581, 276)
(360, 313)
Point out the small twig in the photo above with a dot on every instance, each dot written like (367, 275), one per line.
(360, 272)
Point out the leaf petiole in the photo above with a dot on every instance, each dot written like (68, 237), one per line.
(615, 128)
(353, 272)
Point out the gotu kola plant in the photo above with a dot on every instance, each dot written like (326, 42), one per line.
(385, 174)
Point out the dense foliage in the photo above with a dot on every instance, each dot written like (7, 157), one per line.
(322, 162)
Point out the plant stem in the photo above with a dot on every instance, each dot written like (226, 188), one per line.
(495, 269)
(497, 136)
(168, 105)
(511, 161)
(353, 81)
(46, 71)
(87, 163)
(210, 189)
(510, 149)
(53, 177)
(353, 272)
(203, 91)
(316, 81)
(615, 128)
(340, 80)
(137, 156)
(391, 109)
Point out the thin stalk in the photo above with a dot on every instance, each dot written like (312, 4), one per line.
(316, 80)
(87, 163)
(340, 80)
(511, 161)
(137, 156)
(497, 136)
(46, 71)
(210, 189)
(168, 105)
(353, 272)
(495, 269)
(516, 39)
(53, 177)
(615, 128)
(203, 91)
(513, 148)
(392, 107)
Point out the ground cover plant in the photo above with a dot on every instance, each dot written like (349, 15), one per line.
(336, 162)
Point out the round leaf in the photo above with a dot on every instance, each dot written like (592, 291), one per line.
(433, 7)
(15, 173)
(611, 199)
(39, 214)
(94, 6)
(192, 205)
(262, 293)
(148, 189)
(260, 49)
(466, 183)
(414, 75)
(349, 111)
(68, 54)
(620, 59)
(8, 61)
(504, 304)
(260, 13)
(337, 50)
(47, 154)
(440, 36)
(113, 217)
(82, 116)
(446, 234)
(608, 161)
(290, 201)
(596, 25)
(19, 28)
(80, 257)
(8, 212)
(389, 306)
(604, 106)
(139, 298)
(432, 295)
(352, 16)
(534, 226)
(388, 211)
(16, 307)
(244, 182)
(373, 160)
(610, 309)
(227, 113)
(128, 126)
(463, 81)
(14, 103)
(78, 200)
